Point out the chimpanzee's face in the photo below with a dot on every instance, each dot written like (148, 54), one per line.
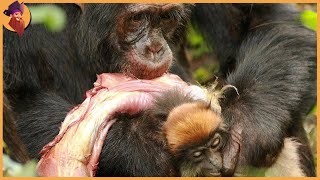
(145, 31)
(136, 39)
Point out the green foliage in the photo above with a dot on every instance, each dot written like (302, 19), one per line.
(5, 148)
(314, 110)
(197, 47)
(204, 74)
(309, 19)
(252, 171)
(12, 168)
(196, 41)
(201, 75)
(53, 17)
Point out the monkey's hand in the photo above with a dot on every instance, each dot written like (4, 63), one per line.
(231, 151)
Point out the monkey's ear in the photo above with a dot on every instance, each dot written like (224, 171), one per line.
(80, 5)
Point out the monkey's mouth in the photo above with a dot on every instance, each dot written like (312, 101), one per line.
(209, 173)
(215, 174)
(147, 68)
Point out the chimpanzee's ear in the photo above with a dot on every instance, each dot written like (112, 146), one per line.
(80, 5)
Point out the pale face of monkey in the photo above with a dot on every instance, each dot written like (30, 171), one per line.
(204, 159)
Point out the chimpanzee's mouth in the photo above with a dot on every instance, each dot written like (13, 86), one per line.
(143, 68)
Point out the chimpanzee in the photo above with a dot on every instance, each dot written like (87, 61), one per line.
(270, 57)
(262, 50)
(13, 142)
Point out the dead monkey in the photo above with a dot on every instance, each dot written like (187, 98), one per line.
(196, 136)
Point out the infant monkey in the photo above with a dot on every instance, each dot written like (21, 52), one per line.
(194, 131)
(196, 136)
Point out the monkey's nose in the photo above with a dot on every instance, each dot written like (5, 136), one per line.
(227, 172)
(155, 48)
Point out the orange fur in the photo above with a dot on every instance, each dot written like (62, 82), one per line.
(190, 123)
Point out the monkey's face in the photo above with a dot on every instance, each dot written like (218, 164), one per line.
(196, 135)
(204, 159)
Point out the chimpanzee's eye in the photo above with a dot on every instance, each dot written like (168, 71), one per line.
(138, 17)
(168, 22)
(135, 21)
(166, 17)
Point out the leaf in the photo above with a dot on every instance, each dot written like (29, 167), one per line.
(52, 16)
(309, 19)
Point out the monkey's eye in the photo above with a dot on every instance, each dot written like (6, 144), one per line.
(216, 141)
(197, 154)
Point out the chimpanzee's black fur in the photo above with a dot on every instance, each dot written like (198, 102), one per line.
(262, 49)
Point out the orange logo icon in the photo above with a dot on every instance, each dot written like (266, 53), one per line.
(18, 17)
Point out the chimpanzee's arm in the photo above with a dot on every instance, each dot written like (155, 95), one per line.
(225, 26)
(276, 79)
(271, 60)
(38, 119)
